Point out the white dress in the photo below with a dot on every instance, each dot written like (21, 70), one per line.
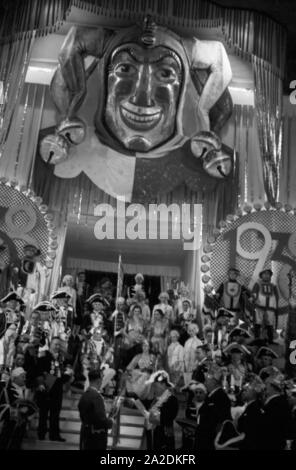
(190, 353)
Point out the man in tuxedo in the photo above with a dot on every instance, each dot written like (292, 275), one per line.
(95, 423)
(49, 395)
(251, 421)
(202, 355)
(214, 411)
(277, 418)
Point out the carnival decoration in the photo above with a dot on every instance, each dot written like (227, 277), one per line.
(255, 238)
(27, 234)
(159, 93)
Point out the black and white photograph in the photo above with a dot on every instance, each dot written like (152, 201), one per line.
(147, 228)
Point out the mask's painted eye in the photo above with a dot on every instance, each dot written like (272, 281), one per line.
(125, 69)
(166, 74)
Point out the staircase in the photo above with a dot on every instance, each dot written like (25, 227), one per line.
(130, 432)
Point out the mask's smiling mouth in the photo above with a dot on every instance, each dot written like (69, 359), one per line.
(140, 117)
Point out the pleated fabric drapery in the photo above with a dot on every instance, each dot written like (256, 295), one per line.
(21, 17)
(288, 163)
(14, 60)
(20, 142)
(268, 106)
(54, 279)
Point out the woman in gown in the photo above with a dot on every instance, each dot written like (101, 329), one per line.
(159, 334)
(139, 371)
(190, 352)
(133, 332)
(175, 358)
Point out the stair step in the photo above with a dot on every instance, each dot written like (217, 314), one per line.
(29, 444)
(129, 443)
(71, 415)
(132, 420)
(70, 403)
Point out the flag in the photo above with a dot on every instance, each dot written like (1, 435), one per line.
(120, 276)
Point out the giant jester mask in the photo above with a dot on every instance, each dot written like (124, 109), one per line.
(144, 74)
(142, 97)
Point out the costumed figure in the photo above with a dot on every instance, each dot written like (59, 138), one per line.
(133, 334)
(190, 352)
(140, 299)
(138, 372)
(266, 298)
(96, 318)
(161, 415)
(222, 327)
(175, 358)
(237, 368)
(62, 324)
(138, 286)
(119, 318)
(231, 294)
(166, 308)
(158, 333)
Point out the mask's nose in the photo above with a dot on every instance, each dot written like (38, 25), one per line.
(143, 89)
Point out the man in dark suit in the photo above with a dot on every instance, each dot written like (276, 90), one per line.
(49, 394)
(251, 421)
(94, 422)
(277, 419)
(214, 411)
(202, 355)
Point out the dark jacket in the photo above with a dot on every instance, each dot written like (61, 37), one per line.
(214, 411)
(92, 410)
(251, 423)
(277, 424)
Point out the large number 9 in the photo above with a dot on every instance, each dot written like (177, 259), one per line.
(261, 255)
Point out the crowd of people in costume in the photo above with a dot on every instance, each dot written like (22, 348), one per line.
(226, 362)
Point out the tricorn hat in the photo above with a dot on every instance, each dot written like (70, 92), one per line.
(160, 376)
(61, 294)
(236, 347)
(237, 331)
(265, 351)
(223, 312)
(44, 306)
(96, 298)
(12, 296)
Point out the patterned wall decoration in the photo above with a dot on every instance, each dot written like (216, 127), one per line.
(253, 239)
(24, 220)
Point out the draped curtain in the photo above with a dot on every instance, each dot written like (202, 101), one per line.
(54, 279)
(288, 162)
(20, 144)
(20, 16)
(268, 106)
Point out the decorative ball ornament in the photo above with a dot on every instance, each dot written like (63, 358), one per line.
(54, 149)
(73, 131)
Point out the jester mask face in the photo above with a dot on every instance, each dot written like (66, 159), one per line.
(144, 86)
